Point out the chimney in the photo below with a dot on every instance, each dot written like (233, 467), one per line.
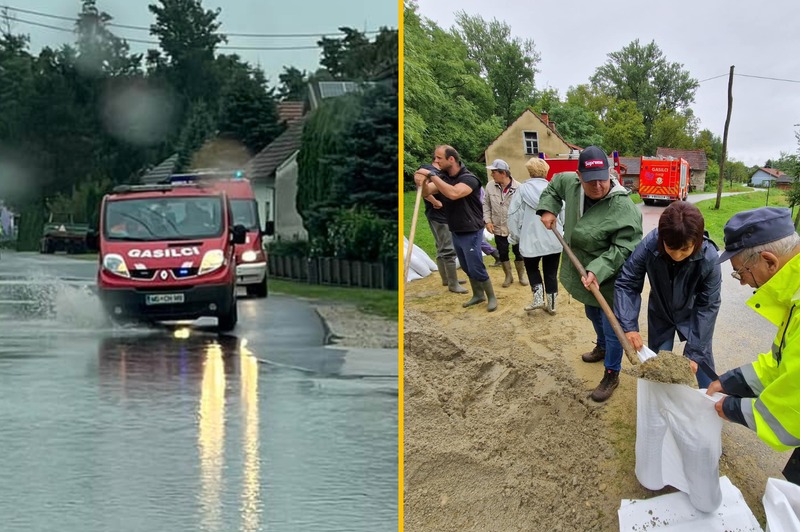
(545, 118)
(553, 126)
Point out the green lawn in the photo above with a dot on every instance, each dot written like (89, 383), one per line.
(423, 236)
(716, 219)
(378, 302)
(737, 187)
(636, 198)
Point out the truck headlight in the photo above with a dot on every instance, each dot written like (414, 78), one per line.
(213, 260)
(249, 256)
(116, 264)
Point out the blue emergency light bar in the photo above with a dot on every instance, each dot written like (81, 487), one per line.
(203, 175)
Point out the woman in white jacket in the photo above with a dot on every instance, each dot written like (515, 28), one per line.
(535, 241)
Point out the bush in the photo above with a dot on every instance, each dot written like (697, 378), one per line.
(289, 248)
(359, 234)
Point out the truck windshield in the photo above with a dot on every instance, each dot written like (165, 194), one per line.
(167, 218)
(245, 213)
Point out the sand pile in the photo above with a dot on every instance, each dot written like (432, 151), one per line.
(667, 367)
(498, 444)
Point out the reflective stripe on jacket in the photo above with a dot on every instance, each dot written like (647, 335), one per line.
(766, 393)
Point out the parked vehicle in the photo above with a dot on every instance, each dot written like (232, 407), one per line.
(663, 179)
(251, 259)
(167, 252)
(570, 164)
(61, 233)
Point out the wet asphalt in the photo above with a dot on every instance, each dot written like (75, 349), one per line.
(180, 428)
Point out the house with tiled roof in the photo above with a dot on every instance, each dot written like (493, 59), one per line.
(290, 110)
(775, 177)
(526, 137)
(632, 166)
(274, 175)
(698, 164)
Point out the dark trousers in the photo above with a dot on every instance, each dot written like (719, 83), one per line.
(502, 248)
(444, 241)
(468, 250)
(550, 267)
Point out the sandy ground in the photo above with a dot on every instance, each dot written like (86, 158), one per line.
(353, 328)
(500, 433)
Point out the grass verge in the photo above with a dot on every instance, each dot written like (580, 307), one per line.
(730, 205)
(379, 302)
(422, 236)
(737, 187)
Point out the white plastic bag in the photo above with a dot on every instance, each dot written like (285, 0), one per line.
(678, 440)
(782, 506)
(674, 513)
(421, 264)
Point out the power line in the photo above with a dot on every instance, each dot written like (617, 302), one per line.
(763, 77)
(156, 43)
(715, 77)
(144, 28)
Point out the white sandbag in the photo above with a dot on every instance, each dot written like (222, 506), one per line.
(674, 513)
(419, 264)
(782, 506)
(487, 236)
(679, 441)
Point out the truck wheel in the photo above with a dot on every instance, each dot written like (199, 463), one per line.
(258, 290)
(228, 322)
(649, 202)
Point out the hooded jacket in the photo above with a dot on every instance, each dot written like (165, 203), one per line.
(525, 226)
(688, 304)
(765, 395)
(602, 238)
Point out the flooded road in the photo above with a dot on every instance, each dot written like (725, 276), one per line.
(180, 428)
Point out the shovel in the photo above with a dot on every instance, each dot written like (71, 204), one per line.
(626, 345)
(411, 235)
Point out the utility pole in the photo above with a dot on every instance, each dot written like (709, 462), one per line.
(725, 140)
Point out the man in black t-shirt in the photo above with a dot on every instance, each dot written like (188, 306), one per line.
(445, 253)
(461, 202)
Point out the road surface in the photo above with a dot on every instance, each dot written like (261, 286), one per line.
(179, 428)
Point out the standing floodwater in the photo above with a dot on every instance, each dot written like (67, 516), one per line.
(180, 428)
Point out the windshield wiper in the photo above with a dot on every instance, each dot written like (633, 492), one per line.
(130, 239)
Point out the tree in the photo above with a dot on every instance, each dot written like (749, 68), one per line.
(577, 125)
(670, 130)
(100, 52)
(198, 128)
(643, 75)
(445, 98)
(508, 63)
(293, 84)
(711, 143)
(624, 129)
(354, 57)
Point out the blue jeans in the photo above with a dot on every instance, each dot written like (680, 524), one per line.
(468, 251)
(703, 380)
(606, 337)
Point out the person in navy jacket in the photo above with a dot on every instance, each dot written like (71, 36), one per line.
(682, 265)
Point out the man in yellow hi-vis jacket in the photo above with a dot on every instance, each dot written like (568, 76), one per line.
(764, 250)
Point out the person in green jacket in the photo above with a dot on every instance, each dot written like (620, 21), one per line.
(603, 227)
(764, 249)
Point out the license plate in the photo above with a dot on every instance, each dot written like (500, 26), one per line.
(164, 299)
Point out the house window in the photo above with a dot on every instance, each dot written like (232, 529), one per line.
(531, 142)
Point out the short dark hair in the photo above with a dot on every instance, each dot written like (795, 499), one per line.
(450, 151)
(680, 223)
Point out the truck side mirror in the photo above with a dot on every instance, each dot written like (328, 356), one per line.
(239, 234)
(92, 241)
(269, 228)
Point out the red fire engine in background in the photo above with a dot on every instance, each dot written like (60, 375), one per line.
(663, 179)
(570, 164)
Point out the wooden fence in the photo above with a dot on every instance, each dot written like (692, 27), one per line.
(335, 272)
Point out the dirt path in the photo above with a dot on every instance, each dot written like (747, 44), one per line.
(499, 430)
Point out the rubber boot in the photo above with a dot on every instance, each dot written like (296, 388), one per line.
(489, 289)
(453, 280)
(523, 279)
(538, 298)
(551, 306)
(442, 271)
(607, 386)
(509, 277)
(477, 293)
(496, 255)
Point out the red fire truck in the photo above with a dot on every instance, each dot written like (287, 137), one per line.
(663, 179)
(570, 164)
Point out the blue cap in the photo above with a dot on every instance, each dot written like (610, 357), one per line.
(756, 227)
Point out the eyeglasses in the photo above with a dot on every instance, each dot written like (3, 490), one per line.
(738, 273)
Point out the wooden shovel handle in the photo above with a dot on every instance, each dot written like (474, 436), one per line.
(411, 234)
(630, 352)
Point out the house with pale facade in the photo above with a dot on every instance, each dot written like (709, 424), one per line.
(772, 177)
(698, 164)
(528, 136)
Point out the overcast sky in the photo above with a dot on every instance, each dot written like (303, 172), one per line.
(238, 16)
(706, 36)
